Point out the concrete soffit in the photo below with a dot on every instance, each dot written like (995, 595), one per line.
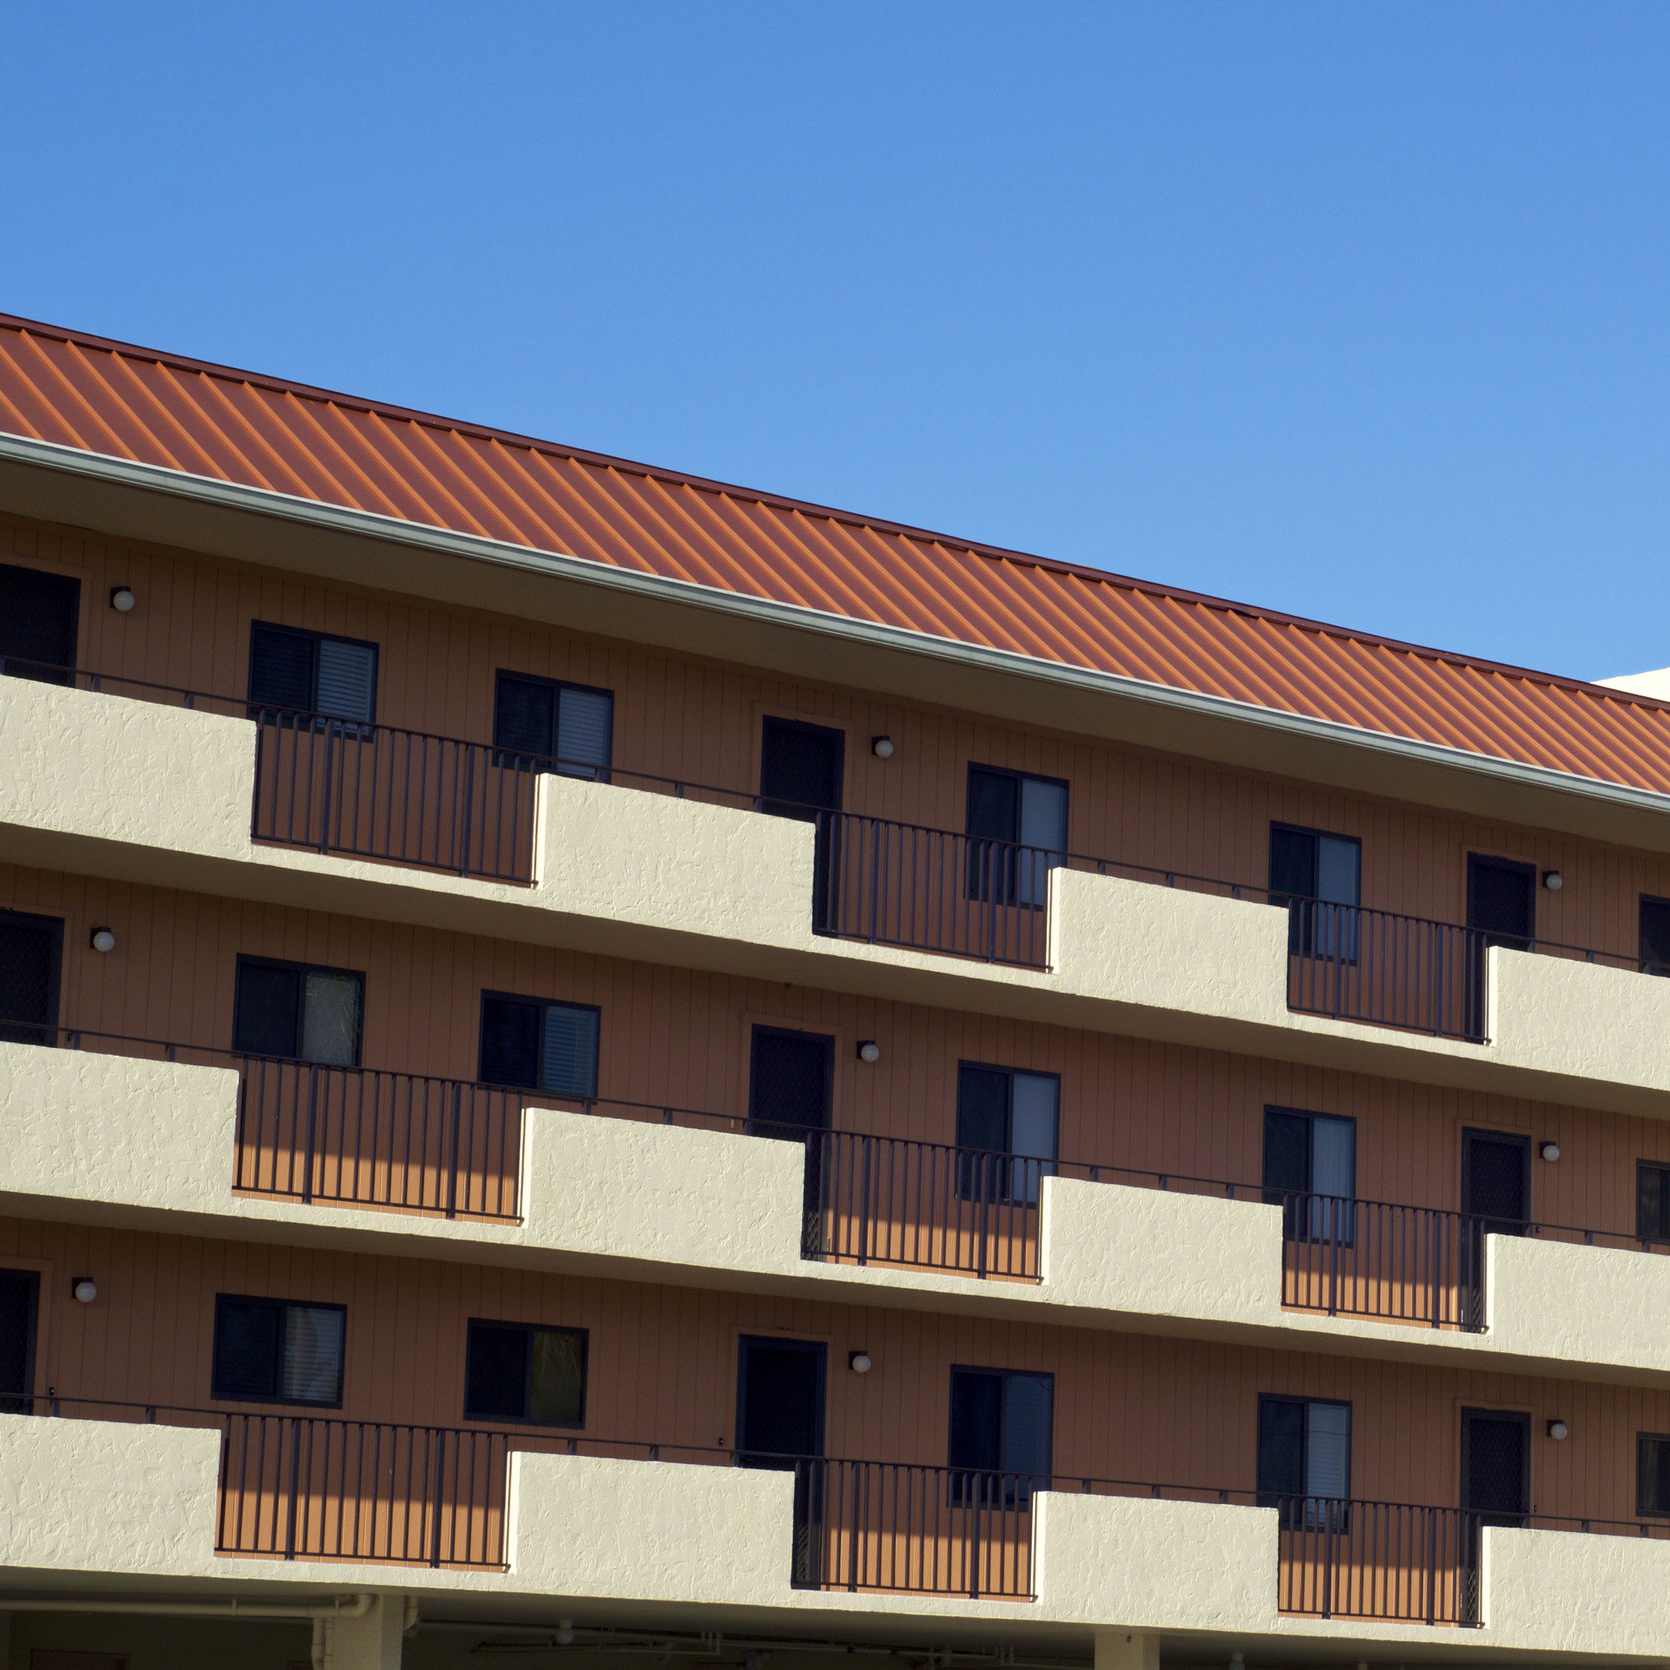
(143, 502)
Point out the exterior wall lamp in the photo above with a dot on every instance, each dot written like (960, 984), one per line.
(882, 747)
(869, 1050)
(1553, 880)
(85, 1289)
(1558, 1431)
(1550, 1151)
(102, 940)
(859, 1362)
(122, 599)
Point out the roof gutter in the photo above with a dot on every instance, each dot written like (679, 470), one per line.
(225, 495)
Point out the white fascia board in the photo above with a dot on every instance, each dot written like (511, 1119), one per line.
(689, 593)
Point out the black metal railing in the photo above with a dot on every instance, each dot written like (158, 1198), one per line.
(889, 883)
(353, 1136)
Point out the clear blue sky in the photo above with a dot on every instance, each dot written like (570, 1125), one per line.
(1360, 311)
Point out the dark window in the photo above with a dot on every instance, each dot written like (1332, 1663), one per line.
(1000, 1434)
(1496, 1181)
(1502, 900)
(1652, 1201)
(19, 1302)
(38, 615)
(789, 1080)
(800, 768)
(310, 672)
(1652, 1474)
(1304, 1460)
(1006, 1132)
(539, 1046)
(30, 950)
(272, 1351)
(298, 1012)
(1310, 1171)
(1017, 834)
(1655, 935)
(780, 1394)
(541, 725)
(515, 1372)
(1495, 1465)
(1318, 877)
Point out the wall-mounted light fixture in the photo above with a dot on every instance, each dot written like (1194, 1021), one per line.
(565, 1632)
(1558, 1430)
(102, 940)
(122, 599)
(858, 1362)
(869, 1050)
(85, 1289)
(1553, 880)
(1550, 1151)
(882, 747)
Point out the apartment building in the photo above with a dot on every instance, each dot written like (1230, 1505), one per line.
(605, 1068)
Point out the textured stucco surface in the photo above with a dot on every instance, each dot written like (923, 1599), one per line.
(150, 793)
(656, 1534)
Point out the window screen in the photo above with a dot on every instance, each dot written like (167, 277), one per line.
(38, 618)
(1006, 1133)
(312, 673)
(274, 1351)
(1652, 1473)
(30, 952)
(542, 725)
(539, 1046)
(297, 1012)
(1310, 1171)
(519, 1373)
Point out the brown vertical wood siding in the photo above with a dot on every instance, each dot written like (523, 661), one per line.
(678, 1037)
(679, 716)
(662, 1368)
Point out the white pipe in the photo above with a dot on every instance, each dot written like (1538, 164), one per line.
(344, 1606)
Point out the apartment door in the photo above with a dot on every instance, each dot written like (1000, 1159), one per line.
(790, 1088)
(19, 1305)
(38, 615)
(1501, 910)
(800, 777)
(779, 1424)
(1495, 1465)
(1495, 1200)
(30, 952)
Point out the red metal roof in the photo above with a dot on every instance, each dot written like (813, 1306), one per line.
(158, 409)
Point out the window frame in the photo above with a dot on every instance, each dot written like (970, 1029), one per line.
(1000, 1169)
(529, 1329)
(512, 759)
(1019, 1486)
(1641, 1512)
(303, 969)
(542, 1004)
(283, 1306)
(1297, 1512)
(321, 721)
(1662, 1166)
(47, 672)
(1303, 928)
(985, 885)
(1343, 1207)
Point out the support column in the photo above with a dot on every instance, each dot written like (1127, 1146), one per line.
(369, 1643)
(1120, 1649)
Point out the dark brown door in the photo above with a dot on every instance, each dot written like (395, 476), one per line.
(790, 1087)
(1495, 1200)
(38, 614)
(19, 1304)
(800, 777)
(1495, 1465)
(30, 950)
(779, 1424)
(1501, 910)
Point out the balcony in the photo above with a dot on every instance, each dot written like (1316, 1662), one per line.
(395, 825)
(440, 1167)
(195, 1494)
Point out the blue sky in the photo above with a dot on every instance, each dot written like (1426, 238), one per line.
(1360, 311)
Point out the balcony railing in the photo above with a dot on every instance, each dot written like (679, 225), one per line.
(422, 800)
(300, 1487)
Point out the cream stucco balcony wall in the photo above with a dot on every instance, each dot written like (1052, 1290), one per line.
(661, 1542)
(148, 1144)
(146, 793)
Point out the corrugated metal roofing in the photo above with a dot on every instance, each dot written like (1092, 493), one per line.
(132, 403)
